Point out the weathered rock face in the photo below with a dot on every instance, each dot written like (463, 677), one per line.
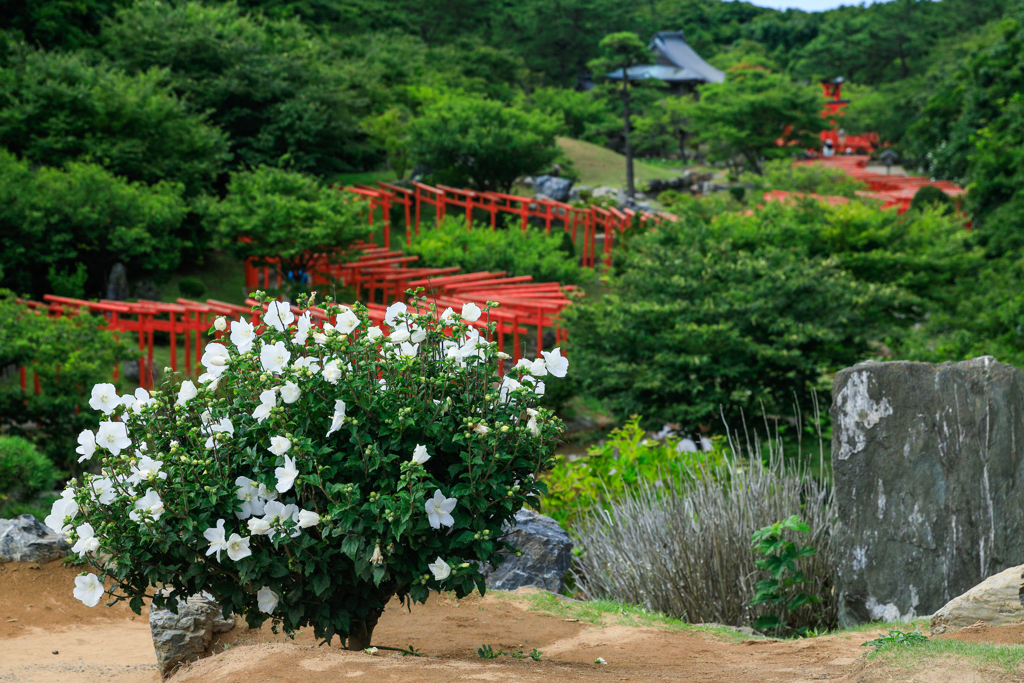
(184, 637)
(552, 186)
(994, 601)
(929, 482)
(25, 539)
(546, 555)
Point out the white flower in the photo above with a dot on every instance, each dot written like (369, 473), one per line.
(238, 547)
(539, 367)
(470, 312)
(508, 385)
(376, 557)
(267, 494)
(268, 399)
(556, 362)
(248, 494)
(105, 398)
(307, 518)
(63, 509)
(600, 660)
(216, 536)
(187, 392)
(419, 454)
(531, 424)
(439, 510)
(290, 392)
(267, 600)
(393, 312)
(278, 315)
(147, 469)
(87, 541)
(338, 418)
(89, 589)
(258, 527)
(274, 357)
(279, 445)
(332, 373)
(215, 358)
(374, 333)
(418, 335)
(440, 569)
(276, 514)
(448, 316)
(150, 503)
(136, 402)
(481, 428)
(302, 329)
(86, 445)
(285, 475)
(209, 379)
(223, 426)
(346, 321)
(220, 324)
(502, 355)
(399, 334)
(113, 436)
(103, 490)
(319, 337)
(407, 350)
(540, 388)
(243, 334)
(307, 362)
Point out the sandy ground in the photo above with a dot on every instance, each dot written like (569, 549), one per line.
(39, 615)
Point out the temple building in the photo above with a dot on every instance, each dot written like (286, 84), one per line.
(675, 63)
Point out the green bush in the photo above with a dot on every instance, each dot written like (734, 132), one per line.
(931, 196)
(191, 287)
(24, 472)
(807, 178)
(61, 218)
(69, 355)
(586, 117)
(512, 250)
(620, 463)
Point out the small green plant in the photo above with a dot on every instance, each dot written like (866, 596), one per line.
(783, 590)
(535, 654)
(24, 472)
(487, 652)
(896, 638)
(412, 652)
(191, 287)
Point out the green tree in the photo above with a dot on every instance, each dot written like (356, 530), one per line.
(483, 144)
(276, 213)
(586, 117)
(53, 24)
(389, 130)
(275, 89)
(621, 52)
(52, 220)
(756, 115)
(57, 107)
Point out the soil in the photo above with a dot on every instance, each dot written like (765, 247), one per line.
(38, 615)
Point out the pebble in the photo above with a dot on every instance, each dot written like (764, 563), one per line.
(55, 652)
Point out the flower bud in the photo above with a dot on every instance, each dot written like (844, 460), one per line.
(220, 324)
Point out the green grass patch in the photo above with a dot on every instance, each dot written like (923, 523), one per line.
(611, 612)
(223, 276)
(1006, 657)
(364, 178)
(598, 166)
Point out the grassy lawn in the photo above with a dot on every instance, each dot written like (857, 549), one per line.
(223, 276)
(599, 166)
(364, 178)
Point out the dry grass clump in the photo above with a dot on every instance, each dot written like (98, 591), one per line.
(683, 548)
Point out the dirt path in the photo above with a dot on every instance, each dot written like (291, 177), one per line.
(38, 615)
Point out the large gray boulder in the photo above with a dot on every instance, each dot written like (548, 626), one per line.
(25, 539)
(553, 187)
(929, 483)
(185, 637)
(545, 555)
(994, 601)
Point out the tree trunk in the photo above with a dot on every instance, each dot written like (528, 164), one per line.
(360, 632)
(625, 131)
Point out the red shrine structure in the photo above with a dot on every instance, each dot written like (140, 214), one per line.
(841, 143)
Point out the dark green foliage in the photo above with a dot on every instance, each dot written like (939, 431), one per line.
(277, 91)
(59, 107)
(69, 355)
(586, 116)
(784, 590)
(896, 639)
(24, 472)
(482, 144)
(191, 287)
(51, 24)
(931, 196)
(83, 214)
(510, 250)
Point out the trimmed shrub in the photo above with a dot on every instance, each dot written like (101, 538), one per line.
(24, 472)
(191, 287)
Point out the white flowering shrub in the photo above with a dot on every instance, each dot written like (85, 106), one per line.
(313, 473)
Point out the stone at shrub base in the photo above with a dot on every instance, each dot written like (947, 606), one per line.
(928, 464)
(25, 539)
(546, 555)
(994, 601)
(553, 187)
(184, 637)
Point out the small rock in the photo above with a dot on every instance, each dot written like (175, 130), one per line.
(996, 600)
(54, 652)
(184, 637)
(25, 539)
(546, 553)
(553, 187)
